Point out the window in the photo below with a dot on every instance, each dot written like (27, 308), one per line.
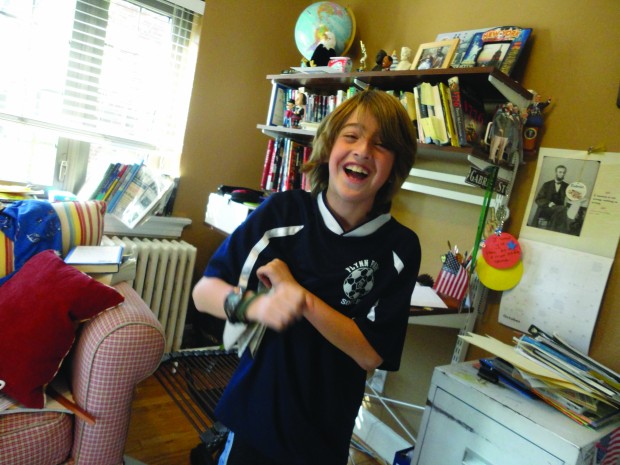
(88, 82)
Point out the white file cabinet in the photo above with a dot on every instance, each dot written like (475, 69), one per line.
(468, 421)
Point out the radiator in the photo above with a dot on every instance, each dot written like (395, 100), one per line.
(163, 279)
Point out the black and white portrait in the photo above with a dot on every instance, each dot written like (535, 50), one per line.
(564, 189)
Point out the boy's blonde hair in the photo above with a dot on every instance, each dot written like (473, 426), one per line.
(396, 132)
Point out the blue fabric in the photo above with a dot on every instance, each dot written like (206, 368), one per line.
(33, 226)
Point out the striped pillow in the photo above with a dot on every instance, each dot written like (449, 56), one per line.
(81, 223)
(7, 263)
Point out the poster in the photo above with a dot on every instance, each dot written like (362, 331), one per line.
(588, 221)
(569, 238)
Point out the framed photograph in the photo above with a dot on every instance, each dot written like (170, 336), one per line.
(499, 47)
(435, 55)
(465, 38)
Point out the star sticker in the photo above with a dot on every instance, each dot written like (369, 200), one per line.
(512, 245)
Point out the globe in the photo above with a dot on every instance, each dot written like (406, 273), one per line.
(319, 18)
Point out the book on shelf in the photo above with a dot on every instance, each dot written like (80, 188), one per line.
(457, 107)
(576, 385)
(277, 106)
(440, 125)
(418, 121)
(431, 114)
(96, 258)
(408, 100)
(446, 102)
(274, 165)
(267, 164)
(475, 118)
(283, 162)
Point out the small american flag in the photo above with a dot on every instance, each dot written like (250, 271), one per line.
(452, 280)
(612, 454)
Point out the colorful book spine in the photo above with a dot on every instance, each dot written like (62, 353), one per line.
(305, 182)
(459, 117)
(101, 186)
(444, 90)
(418, 109)
(475, 117)
(130, 173)
(439, 123)
(267, 165)
(109, 181)
(115, 183)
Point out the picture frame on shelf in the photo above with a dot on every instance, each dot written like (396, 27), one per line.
(277, 105)
(499, 47)
(465, 38)
(435, 55)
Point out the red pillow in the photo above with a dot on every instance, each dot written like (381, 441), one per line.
(40, 307)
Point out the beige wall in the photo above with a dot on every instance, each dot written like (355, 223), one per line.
(573, 57)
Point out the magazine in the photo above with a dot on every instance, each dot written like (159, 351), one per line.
(143, 197)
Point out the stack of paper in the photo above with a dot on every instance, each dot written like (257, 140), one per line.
(575, 384)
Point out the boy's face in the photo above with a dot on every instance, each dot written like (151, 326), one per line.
(359, 164)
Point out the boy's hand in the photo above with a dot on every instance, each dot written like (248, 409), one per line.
(285, 302)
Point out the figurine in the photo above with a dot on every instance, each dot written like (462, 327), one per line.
(381, 54)
(288, 113)
(405, 59)
(386, 64)
(299, 110)
(325, 50)
(395, 61)
(363, 59)
(534, 121)
(506, 144)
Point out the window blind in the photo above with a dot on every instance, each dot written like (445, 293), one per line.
(112, 71)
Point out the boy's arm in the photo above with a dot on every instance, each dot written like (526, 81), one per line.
(342, 332)
(209, 295)
(288, 298)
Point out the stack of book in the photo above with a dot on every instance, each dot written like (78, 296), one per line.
(108, 263)
(549, 368)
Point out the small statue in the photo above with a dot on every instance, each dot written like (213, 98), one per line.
(506, 145)
(288, 113)
(395, 61)
(379, 60)
(533, 121)
(363, 59)
(386, 64)
(325, 50)
(299, 110)
(405, 59)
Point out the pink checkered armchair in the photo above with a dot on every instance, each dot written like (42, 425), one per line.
(112, 353)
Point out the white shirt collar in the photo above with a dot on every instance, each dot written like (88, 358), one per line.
(363, 230)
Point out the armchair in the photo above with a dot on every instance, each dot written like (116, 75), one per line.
(111, 354)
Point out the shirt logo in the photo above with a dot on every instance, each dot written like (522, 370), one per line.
(360, 281)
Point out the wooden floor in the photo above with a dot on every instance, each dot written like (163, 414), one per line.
(159, 433)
